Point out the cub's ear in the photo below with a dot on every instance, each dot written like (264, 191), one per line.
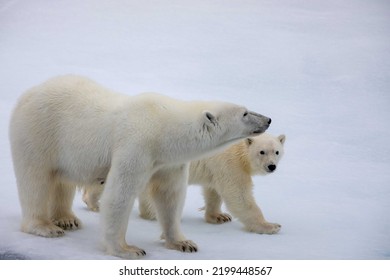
(209, 118)
(282, 138)
(249, 141)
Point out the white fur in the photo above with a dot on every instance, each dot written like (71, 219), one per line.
(71, 131)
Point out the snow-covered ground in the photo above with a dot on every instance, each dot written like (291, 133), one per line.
(320, 69)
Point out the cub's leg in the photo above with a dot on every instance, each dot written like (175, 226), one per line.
(91, 196)
(145, 205)
(168, 192)
(213, 213)
(34, 186)
(61, 201)
(243, 206)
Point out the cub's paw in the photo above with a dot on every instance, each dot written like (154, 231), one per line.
(92, 204)
(183, 246)
(95, 208)
(218, 218)
(265, 228)
(68, 223)
(147, 215)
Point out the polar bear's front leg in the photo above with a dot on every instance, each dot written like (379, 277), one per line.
(120, 192)
(243, 206)
(168, 190)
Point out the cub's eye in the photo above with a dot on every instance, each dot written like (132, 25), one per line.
(262, 152)
(277, 152)
(245, 114)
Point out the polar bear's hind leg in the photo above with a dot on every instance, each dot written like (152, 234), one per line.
(214, 214)
(61, 200)
(34, 192)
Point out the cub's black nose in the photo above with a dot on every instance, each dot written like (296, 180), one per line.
(271, 167)
(269, 122)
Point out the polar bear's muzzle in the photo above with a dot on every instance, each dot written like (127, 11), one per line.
(262, 122)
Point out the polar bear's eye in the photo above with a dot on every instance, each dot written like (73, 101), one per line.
(245, 114)
(277, 152)
(262, 152)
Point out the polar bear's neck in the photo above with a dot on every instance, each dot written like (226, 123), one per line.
(196, 142)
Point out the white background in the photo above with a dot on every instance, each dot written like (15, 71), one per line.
(319, 69)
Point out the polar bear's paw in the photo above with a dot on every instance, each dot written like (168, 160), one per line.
(92, 202)
(183, 246)
(68, 222)
(133, 252)
(147, 215)
(265, 228)
(41, 228)
(218, 218)
(127, 252)
(93, 206)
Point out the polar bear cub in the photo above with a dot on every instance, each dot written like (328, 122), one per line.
(71, 131)
(227, 177)
(231, 180)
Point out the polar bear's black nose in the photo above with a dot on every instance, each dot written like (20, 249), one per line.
(269, 121)
(271, 167)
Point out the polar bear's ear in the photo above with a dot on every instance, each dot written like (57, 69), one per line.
(282, 138)
(209, 118)
(249, 141)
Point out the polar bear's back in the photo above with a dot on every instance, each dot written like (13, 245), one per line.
(69, 91)
(80, 94)
(72, 113)
(59, 103)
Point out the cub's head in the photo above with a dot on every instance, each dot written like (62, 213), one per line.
(264, 152)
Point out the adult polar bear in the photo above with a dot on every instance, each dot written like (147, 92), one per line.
(71, 131)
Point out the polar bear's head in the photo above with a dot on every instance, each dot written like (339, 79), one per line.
(264, 152)
(233, 122)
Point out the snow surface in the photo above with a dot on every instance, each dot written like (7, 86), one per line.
(320, 69)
